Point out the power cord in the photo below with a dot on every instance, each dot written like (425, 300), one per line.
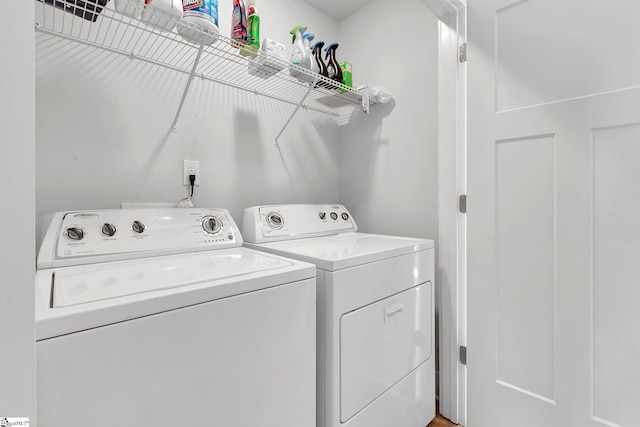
(192, 180)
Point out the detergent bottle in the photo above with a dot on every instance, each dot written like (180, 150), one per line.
(301, 54)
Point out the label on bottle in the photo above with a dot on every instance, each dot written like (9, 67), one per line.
(239, 23)
(253, 30)
(206, 9)
(331, 71)
(296, 56)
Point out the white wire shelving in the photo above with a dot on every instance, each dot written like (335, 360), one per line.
(220, 62)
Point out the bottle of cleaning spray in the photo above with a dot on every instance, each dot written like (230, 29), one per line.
(301, 54)
(333, 66)
(308, 38)
(316, 51)
(253, 30)
(238, 24)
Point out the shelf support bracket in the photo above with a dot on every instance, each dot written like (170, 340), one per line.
(174, 125)
(365, 102)
(300, 104)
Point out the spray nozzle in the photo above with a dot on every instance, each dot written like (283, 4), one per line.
(299, 29)
(329, 48)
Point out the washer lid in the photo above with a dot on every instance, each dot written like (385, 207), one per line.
(73, 286)
(79, 298)
(345, 250)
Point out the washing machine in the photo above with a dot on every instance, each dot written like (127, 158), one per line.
(375, 313)
(159, 317)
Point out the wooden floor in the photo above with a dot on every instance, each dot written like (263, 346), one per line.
(441, 421)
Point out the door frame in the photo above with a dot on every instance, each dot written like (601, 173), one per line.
(451, 275)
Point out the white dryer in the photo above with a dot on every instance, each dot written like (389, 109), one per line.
(376, 362)
(159, 317)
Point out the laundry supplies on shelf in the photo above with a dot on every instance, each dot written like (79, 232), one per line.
(333, 67)
(199, 23)
(239, 24)
(316, 51)
(301, 55)
(253, 31)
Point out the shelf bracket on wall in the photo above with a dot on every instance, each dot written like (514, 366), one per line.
(300, 104)
(174, 125)
(365, 102)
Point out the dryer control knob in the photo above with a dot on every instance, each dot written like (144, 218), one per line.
(74, 233)
(138, 227)
(334, 216)
(275, 220)
(211, 224)
(108, 229)
(322, 215)
(345, 216)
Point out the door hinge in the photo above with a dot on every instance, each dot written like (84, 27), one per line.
(463, 355)
(462, 203)
(463, 52)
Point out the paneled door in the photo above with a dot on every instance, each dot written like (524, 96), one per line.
(553, 213)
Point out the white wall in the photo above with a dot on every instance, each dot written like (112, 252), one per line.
(17, 338)
(389, 171)
(102, 123)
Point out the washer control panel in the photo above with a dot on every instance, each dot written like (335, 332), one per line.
(283, 222)
(131, 233)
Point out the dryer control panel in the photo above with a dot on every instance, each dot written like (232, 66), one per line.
(272, 223)
(84, 237)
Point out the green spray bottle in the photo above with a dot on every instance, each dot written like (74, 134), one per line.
(301, 55)
(253, 31)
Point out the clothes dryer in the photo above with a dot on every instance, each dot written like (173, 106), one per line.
(159, 317)
(375, 308)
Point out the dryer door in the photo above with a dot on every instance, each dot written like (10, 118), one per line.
(380, 344)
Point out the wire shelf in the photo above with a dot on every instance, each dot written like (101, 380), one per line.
(94, 23)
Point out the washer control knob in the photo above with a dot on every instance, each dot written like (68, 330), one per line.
(322, 215)
(334, 216)
(74, 233)
(108, 229)
(138, 227)
(211, 224)
(345, 216)
(275, 220)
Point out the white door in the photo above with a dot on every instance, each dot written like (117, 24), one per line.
(554, 213)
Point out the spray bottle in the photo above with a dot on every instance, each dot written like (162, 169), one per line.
(316, 50)
(238, 24)
(301, 54)
(308, 38)
(253, 30)
(333, 66)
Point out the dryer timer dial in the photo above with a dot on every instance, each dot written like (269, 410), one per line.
(211, 224)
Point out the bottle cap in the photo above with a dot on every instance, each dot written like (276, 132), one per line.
(330, 46)
(301, 28)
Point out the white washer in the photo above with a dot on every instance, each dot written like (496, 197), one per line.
(158, 317)
(376, 363)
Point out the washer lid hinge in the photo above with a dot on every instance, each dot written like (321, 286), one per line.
(463, 52)
(462, 203)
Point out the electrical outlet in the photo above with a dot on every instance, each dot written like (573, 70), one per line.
(190, 167)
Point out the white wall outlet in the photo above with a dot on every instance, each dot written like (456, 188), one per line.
(190, 167)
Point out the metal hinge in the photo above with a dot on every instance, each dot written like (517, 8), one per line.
(462, 203)
(463, 52)
(463, 355)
